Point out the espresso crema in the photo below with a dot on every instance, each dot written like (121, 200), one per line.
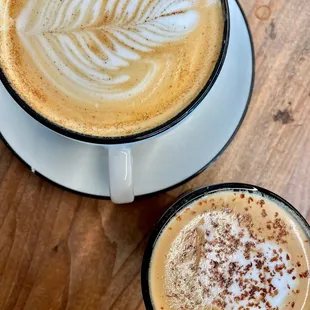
(109, 68)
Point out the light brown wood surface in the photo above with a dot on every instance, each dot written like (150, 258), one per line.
(60, 251)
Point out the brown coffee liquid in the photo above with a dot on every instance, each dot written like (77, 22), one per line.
(231, 250)
(109, 68)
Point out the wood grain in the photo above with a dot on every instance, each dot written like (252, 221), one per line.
(60, 251)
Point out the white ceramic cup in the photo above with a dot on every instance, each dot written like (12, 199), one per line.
(119, 148)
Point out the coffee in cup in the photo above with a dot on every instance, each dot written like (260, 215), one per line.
(231, 250)
(109, 68)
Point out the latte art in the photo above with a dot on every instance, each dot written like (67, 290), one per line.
(89, 42)
(109, 68)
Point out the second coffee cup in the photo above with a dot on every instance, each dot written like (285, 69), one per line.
(228, 246)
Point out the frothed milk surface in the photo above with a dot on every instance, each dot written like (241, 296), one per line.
(106, 67)
(231, 250)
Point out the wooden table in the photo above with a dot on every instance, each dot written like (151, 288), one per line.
(59, 250)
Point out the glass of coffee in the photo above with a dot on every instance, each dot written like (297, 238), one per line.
(112, 72)
(228, 246)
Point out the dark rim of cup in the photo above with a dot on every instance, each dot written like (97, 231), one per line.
(187, 199)
(139, 136)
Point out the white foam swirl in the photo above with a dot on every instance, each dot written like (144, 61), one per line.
(85, 44)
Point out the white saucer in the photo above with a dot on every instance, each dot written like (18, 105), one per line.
(159, 163)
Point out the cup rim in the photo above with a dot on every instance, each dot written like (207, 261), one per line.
(138, 136)
(190, 197)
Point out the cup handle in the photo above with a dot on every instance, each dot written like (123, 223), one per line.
(120, 174)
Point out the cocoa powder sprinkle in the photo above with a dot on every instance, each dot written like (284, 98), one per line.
(223, 258)
(206, 253)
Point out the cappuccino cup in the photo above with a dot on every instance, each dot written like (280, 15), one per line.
(228, 246)
(112, 73)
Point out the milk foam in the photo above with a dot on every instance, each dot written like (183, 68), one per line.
(88, 42)
(217, 254)
(109, 68)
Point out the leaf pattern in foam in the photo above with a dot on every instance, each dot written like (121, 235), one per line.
(89, 41)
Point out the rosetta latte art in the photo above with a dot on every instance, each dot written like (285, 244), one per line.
(93, 44)
(110, 68)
